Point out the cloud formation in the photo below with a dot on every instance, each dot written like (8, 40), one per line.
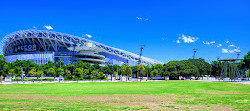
(187, 39)
(139, 18)
(232, 45)
(48, 27)
(88, 35)
(208, 43)
(219, 45)
(229, 51)
(227, 42)
(178, 41)
(145, 19)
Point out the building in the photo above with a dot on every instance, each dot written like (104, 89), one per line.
(41, 46)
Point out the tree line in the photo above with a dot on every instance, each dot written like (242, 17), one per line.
(79, 70)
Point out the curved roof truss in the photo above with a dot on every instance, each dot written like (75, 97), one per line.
(64, 40)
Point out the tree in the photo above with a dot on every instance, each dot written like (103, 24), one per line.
(140, 70)
(175, 68)
(100, 75)
(147, 70)
(68, 74)
(39, 74)
(203, 67)
(159, 68)
(78, 64)
(78, 73)
(2, 65)
(110, 70)
(52, 72)
(94, 73)
(126, 70)
(18, 71)
(154, 73)
(248, 73)
(11, 72)
(216, 68)
(96, 66)
(246, 60)
(5, 70)
(32, 72)
(60, 72)
(166, 73)
(86, 73)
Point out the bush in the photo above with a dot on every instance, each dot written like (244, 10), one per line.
(46, 79)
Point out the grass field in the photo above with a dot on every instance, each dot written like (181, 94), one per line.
(165, 95)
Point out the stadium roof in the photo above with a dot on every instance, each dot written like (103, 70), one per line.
(70, 39)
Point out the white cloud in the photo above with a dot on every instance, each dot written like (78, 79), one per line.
(227, 42)
(232, 45)
(145, 19)
(224, 50)
(219, 45)
(178, 41)
(34, 27)
(48, 27)
(208, 43)
(188, 39)
(88, 35)
(230, 51)
(237, 50)
(139, 18)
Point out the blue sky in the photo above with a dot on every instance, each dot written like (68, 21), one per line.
(169, 29)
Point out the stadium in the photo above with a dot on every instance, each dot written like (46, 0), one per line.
(41, 46)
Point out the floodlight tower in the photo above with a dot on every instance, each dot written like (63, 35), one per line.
(218, 57)
(238, 54)
(142, 47)
(195, 50)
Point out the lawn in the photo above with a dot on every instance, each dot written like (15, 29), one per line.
(164, 95)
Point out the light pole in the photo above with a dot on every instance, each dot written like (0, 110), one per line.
(238, 54)
(142, 47)
(218, 57)
(195, 50)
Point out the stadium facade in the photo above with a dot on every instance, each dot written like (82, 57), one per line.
(41, 46)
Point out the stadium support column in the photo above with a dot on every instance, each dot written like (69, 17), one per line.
(73, 53)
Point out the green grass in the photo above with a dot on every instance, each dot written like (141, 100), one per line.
(205, 94)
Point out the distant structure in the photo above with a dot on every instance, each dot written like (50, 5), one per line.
(195, 50)
(229, 69)
(238, 54)
(218, 58)
(142, 47)
(41, 46)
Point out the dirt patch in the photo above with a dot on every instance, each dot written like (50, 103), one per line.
(219, 92)
(153, 102)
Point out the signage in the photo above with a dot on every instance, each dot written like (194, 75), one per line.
(26, 48)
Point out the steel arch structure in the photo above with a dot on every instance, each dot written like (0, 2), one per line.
(61, 40)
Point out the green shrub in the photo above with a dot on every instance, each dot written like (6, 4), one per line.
(46, 79)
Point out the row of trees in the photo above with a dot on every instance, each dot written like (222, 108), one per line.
(79, 70)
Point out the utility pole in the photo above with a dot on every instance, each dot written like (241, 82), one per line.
(195, 50)
(140, 60)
